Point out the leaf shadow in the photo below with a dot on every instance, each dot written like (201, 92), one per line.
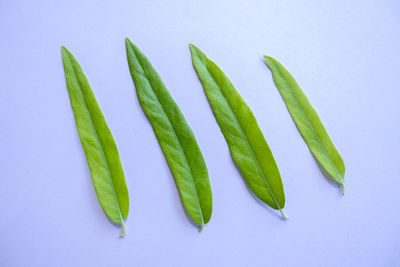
(117, 225)
(171, 177)
(191, 221)
(96, 204)
(328, 178)
(272, 211)
(186, 213)
(94, 198)
(265, 206)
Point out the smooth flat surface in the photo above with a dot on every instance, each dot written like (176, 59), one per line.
(345, 56)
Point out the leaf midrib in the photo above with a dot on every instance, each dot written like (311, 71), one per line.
(245, 138)
(176, 137)
(309, 124)
(97, 140)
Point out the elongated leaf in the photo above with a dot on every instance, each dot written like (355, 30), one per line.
(307, 121)
(246, 142)
(98, 143)
(174, 135)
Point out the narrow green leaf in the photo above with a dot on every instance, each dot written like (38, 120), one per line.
(98, 143)
(174, 135)
(246, 142)
(308, 122)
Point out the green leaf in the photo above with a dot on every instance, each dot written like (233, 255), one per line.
(246, 142)
(98, 143)
(174, 135)
(308, 122)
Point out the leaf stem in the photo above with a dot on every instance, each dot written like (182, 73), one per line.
(283, 214)
(201, 228)
(123, 229)
(342, 187)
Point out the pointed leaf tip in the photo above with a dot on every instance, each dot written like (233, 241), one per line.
(268, 59)
(64, 49)
(194, 48)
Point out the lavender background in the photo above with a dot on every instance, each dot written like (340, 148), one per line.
(344, 54)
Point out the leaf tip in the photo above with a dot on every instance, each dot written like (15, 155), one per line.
(267, 59)
(192, 47)
(64, 49)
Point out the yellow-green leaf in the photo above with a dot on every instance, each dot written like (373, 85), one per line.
(246, 142)
(308, 122)
(174, 135)
(98, 143)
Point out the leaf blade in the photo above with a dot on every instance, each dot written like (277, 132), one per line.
(246, 142)
(98, 143)
(174, 136)
(307, 121)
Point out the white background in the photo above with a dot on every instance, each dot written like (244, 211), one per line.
(345, 56)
